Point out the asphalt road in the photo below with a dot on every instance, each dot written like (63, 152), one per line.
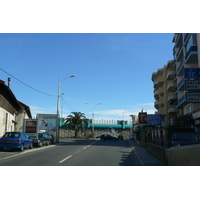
(73, 152)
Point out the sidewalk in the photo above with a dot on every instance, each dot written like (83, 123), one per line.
(145, 158)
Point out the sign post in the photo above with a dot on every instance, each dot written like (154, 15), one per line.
(31, 127)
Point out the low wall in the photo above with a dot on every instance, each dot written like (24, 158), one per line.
(158, 151)
(65, 133)
(184, 155)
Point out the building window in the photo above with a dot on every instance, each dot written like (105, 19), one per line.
(192, 41)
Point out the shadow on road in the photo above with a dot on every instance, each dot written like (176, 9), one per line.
(129, 159)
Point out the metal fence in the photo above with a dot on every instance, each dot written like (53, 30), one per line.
(171, 137)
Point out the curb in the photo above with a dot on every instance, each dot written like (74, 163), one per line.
(138, 157)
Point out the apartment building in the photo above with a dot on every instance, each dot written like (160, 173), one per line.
(164, 92)
(177, 84)
(186, 62)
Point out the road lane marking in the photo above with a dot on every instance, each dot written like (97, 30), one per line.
(65, 159)
(77, 152)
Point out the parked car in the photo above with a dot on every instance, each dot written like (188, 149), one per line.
(108, 137)
(120, 137)
(16, 140)
(43, 139)
(183, 138)
(51, 138)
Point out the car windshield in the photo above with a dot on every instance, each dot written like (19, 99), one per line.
(11, 135)
(184, 136)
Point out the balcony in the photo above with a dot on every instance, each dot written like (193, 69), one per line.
(182, 101)
(179, 55)
(172, 110)
(180, 69)
(156, 104)
(172, 97)
(155, 84)
(171, 86)
(171, 74)
(156, 94)
(186, 37)
(180, 85)
(191, 56)
(170, 64)
(161, 80)
(178, 41)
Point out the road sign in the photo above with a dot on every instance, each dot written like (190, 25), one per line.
(192, 85)
(193, 97)
(192, 72)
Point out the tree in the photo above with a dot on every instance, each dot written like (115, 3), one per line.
(76, 122)
(184, 121)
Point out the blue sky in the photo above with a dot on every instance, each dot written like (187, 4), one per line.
(112, 69)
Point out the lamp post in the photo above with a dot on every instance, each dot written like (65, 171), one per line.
(123, 115)
(93, 115)
(58, 104)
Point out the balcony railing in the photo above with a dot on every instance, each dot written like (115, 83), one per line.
(181, 101)
(192, 50)
(180, 68)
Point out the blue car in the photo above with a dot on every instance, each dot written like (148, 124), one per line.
(16, 140)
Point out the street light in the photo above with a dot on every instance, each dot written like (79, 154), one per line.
(123, 115)
(58, 104)
(93, 115)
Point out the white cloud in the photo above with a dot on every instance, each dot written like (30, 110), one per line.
(37, 110)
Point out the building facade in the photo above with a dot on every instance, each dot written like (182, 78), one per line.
(177, 84)
(12, 111)
(164, 92)
(186, 62)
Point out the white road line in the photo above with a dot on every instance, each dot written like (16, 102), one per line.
(65, 159)
(77, 152)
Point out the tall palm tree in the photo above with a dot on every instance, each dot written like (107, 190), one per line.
(76, 122)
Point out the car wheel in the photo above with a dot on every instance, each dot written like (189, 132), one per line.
(40, 144)
(22, 147)
(47, 143)
(1, 148)
(31, 146)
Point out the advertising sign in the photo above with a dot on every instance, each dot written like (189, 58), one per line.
(192, 85)
(142, 116)
(31, 127)
(192, 72)
(154, 119)
(193, 97)
(47, 121)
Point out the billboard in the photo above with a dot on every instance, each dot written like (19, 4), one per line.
(47, 121)
(154, 119)
(31, 127)
(142, 118)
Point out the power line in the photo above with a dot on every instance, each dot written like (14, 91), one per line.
(28, 85)
(67, 104)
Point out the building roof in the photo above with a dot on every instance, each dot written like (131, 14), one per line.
(8, 94)
(27, 109)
